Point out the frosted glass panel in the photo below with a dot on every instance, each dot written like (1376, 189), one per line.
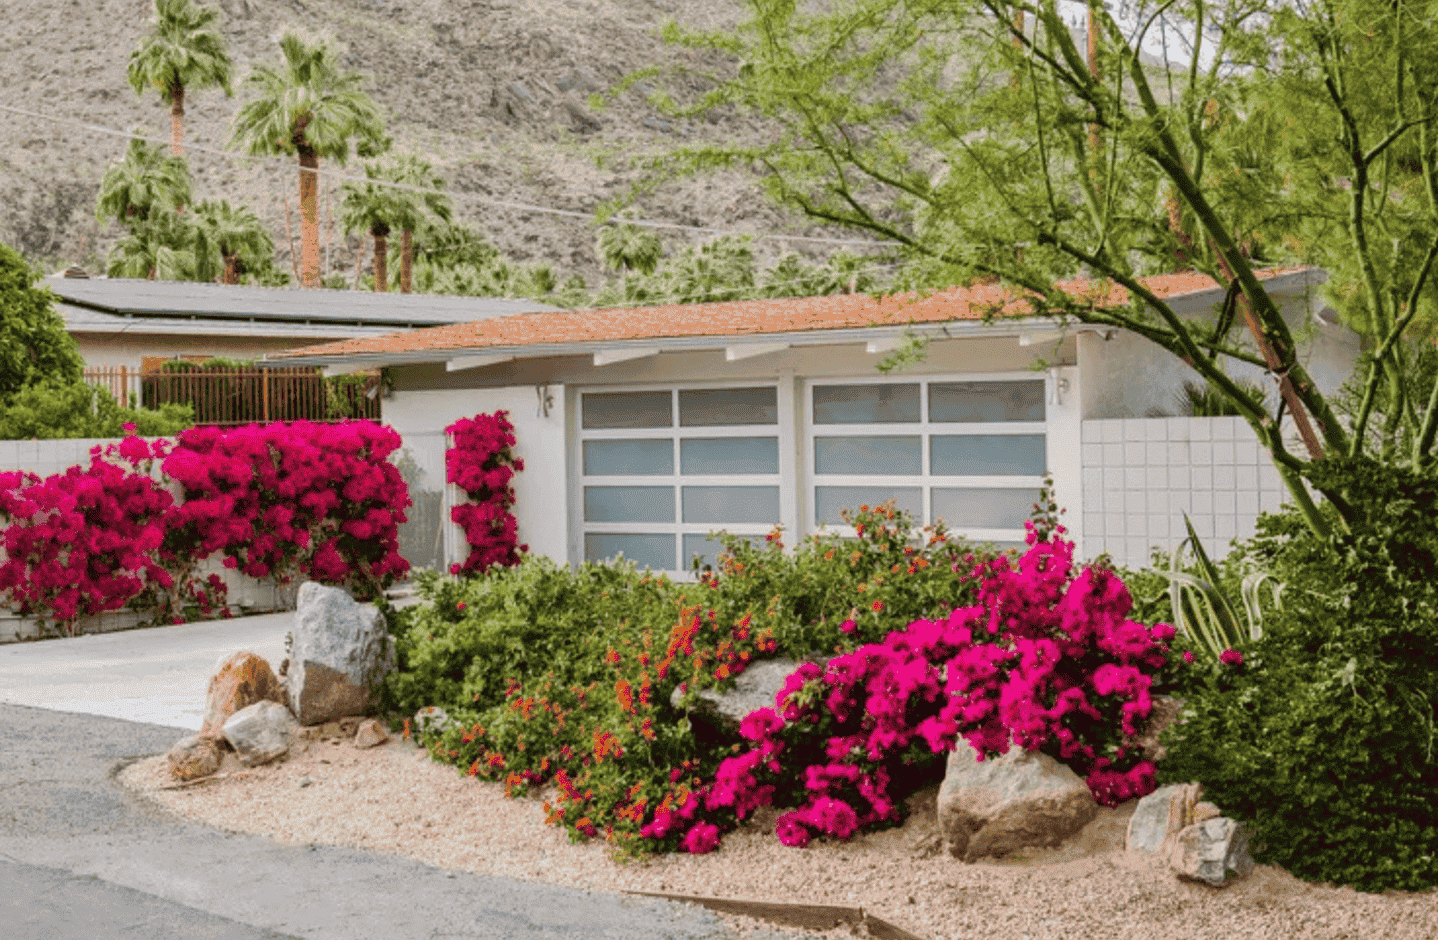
(629, 504)
(987, 508)
(611, 458)
(881, 455)
(646, 551)
(731, 504)
(628, 410)
(866, 404)
(711, 407)
(709, 551)
(987, 455)
(986, 401)
(828, 500)
(729, 455)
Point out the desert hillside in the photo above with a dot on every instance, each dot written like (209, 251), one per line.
(493, 92)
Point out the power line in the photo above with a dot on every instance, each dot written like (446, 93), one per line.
(522, 207)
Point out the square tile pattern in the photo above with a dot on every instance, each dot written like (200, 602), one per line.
(1140, 475)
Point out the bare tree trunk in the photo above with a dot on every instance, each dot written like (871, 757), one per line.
(381, 249)
(309, 219)
(177, 120)
(231, 274)
(406, 260)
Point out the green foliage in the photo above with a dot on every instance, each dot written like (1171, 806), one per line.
(473, 635)
(182, 51)
(1324, 739)
(51, 411)
(34, 344)
(145, 184)
(629, 247)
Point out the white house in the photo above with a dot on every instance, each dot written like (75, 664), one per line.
(644, 429)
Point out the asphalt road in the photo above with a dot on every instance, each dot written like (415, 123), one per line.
(82, 857)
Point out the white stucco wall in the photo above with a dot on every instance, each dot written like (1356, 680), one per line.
(539, 505)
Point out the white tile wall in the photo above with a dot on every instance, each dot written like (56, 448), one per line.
(1141, 474)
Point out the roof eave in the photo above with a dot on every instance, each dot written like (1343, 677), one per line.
(952, 329)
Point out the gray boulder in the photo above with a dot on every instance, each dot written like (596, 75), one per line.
(716, 715)
(1214, 851)
(261, 733)
(340, 653)
(1163, 814)
(1024, 798)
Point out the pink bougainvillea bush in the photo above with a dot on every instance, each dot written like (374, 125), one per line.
(1046, 660)
(85, 541)
(287, 499)
(482, 464)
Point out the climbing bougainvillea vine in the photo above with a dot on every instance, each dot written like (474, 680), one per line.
(482, 464)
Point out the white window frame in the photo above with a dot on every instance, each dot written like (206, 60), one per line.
(925, 430)
(784, 480)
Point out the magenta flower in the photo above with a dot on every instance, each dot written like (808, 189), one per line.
(702, 838)
(1231, 657)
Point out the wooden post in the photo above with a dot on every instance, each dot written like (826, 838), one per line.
(265, 394)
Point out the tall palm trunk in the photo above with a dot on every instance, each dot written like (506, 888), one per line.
(231, 274)
(381, 252)
(177, 119)
(406, 260)
(309, 218)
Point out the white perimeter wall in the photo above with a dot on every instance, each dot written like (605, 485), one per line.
(1141, 475)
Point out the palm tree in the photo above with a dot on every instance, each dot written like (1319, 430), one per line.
(373, 207)
(418, 208)
(142, 185)
(182, 51)
(228, 240)
(308, 107)
(629, 247)
(158, 247)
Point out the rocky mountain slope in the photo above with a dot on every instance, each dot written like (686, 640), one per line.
(494, 92)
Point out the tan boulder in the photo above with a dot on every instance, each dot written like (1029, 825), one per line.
(194, 757)
(240, 680)
(1023, 798)
(370, 733)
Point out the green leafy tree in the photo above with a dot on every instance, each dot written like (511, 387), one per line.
(183, 51)
(66, 411)
(452, 258)
(980, 138)
(229, 242)
(34, 344)
(375, 208)
(626, 247)
(142, 185)
(308, 108)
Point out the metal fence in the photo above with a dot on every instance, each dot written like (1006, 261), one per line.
(241, 396)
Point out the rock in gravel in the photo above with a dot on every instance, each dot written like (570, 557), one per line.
(1022, 798)
(430, 720)
(1214, 851)
(716, 715)
(261, 733)
(341, 653)
(240, 680)
(1161, 815)
(370, 734)
(194, 757)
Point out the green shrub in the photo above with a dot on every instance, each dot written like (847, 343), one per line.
(77, 410)
(1324, 740)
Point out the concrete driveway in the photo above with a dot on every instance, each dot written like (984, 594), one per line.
(156, 675)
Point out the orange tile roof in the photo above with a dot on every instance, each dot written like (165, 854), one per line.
(745, 317)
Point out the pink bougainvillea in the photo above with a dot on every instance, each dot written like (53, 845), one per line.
(482, 465)
(84, 541)
(1064, 672)
(277, 500)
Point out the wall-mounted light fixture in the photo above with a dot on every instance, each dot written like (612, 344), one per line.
(546, 400)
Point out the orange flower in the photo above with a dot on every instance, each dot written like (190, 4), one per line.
(878, 606)
(625, 694)
(829, 555)
(612, 657)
